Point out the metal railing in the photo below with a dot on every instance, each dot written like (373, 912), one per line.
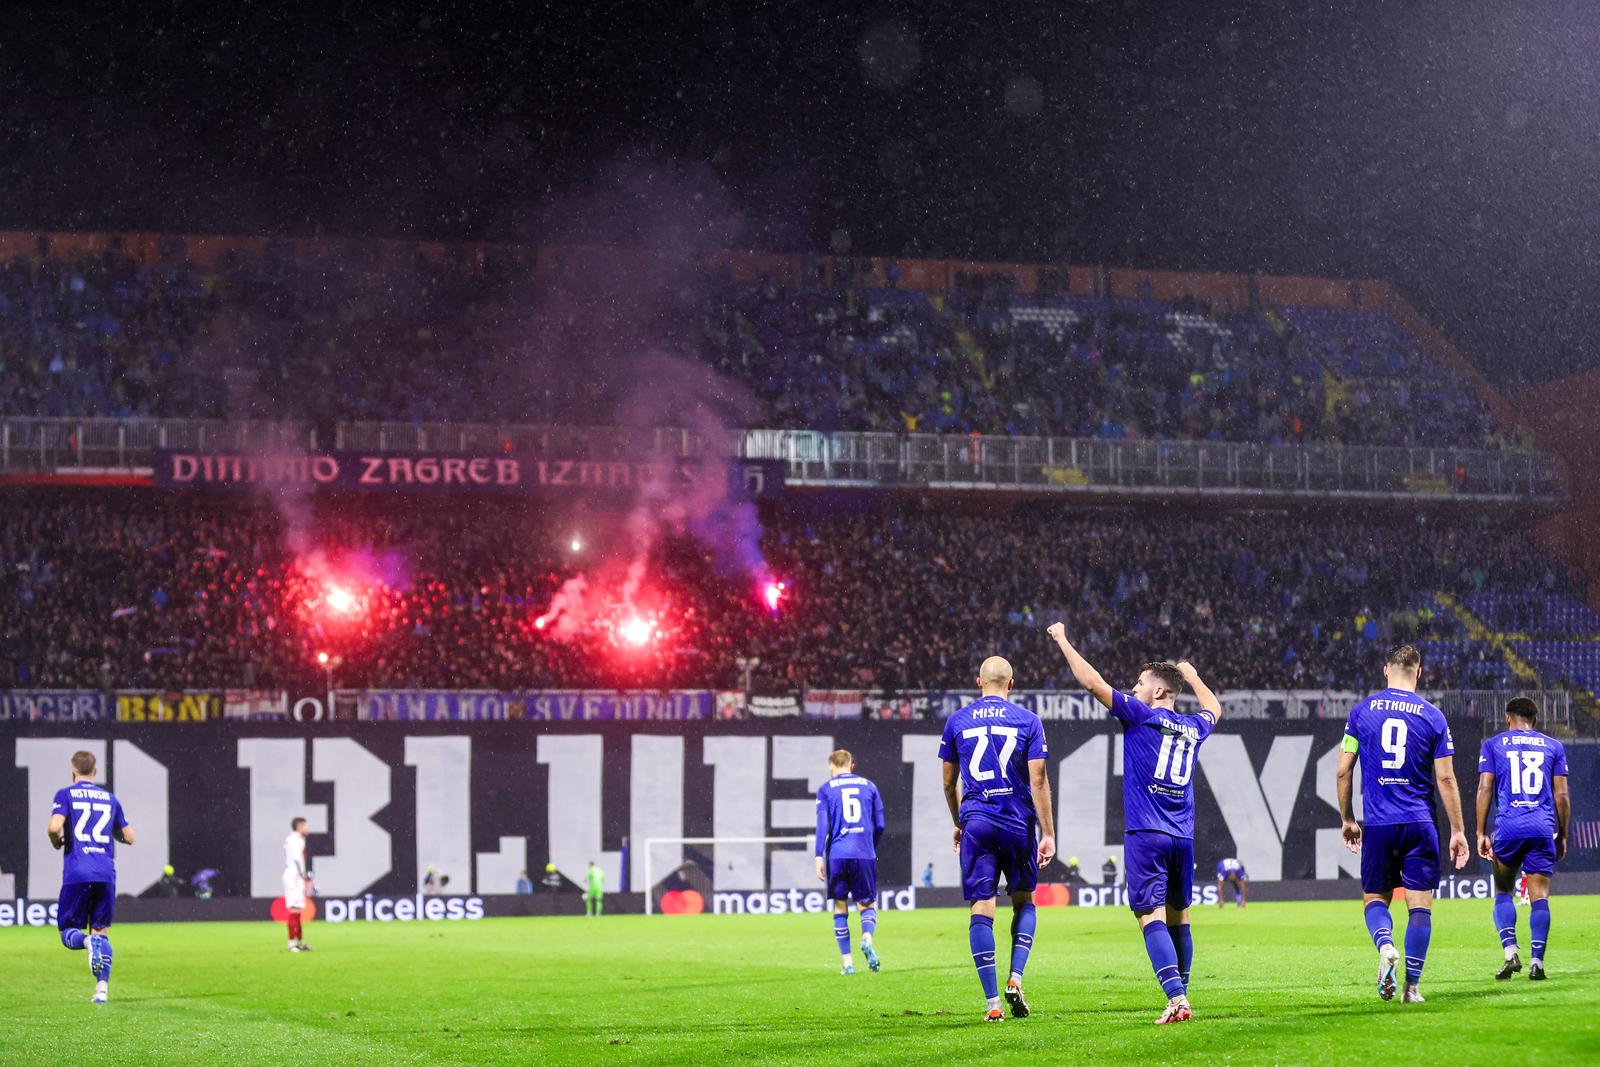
(49, 444)
(1050, 464)
(46, 444)
(1033, 464)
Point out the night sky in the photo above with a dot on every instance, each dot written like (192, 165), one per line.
(1451, 148)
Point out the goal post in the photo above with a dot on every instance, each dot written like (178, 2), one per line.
(692, 862)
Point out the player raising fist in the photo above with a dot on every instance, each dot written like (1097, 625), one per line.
(1159, 749)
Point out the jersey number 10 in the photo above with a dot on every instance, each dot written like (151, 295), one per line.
(1175, 761)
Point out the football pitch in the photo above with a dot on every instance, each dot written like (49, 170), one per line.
(1275, 983)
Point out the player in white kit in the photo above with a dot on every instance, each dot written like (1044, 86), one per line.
(296, 882)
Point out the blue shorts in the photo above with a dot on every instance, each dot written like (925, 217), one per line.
(1405, 854)
(86, 905)
(1531, 855)
(1160, 870)
(855, 880)
(988, 852)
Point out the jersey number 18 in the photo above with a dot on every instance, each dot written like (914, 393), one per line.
(1527, 772)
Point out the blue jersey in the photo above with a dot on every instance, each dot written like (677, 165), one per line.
(1230, 868)
(1159, 746)
(849, 818)
(93, 816)
(991, 741)
(1397, 735)
(1523, 762)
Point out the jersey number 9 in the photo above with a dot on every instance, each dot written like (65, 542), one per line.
(1394, 743)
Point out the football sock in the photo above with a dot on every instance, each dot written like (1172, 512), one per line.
(294, 926)
(1183, 944)
(1163, 957)
(1539, 927)
(869, 924)
(105, 956)
(74, 939)
(1419, 930)
(980, 935)
(1379, 925)
(841, 932)
(1024, 920)
(1505, 920)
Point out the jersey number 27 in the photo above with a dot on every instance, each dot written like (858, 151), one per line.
(975, 766)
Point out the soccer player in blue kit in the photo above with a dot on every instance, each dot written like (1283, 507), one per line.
(87, 821)
(1159, 747)
(1404, 746)
(1525, 773)
(1230, 870)
(996, 752)
(849, 824)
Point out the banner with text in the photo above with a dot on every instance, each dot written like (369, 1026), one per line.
(54, 705)
(496, 472)
(544, 705)
(485, 801)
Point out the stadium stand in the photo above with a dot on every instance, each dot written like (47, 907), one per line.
(266, 334)
(109, 588)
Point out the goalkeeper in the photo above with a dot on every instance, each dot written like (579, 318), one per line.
(594, 890)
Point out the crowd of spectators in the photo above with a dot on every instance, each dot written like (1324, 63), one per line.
(982, 359)
(133, 589)
(401, 337)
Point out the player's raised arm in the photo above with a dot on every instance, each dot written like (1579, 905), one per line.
(1444, 773)
(1039, 782)
(1485, 795)
(1086, 675)
(1208, 699)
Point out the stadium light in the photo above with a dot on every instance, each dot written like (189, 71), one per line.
(576, 544)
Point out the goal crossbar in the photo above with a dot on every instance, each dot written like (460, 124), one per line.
(649, 854)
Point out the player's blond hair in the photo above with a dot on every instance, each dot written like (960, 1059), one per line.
(840, 757)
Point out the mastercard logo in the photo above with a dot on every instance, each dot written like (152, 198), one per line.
(1052, 896)
(682, 902)
(280, 911)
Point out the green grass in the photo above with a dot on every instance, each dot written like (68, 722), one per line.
(1277, 983)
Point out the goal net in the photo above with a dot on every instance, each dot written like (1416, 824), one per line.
(681, 874)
